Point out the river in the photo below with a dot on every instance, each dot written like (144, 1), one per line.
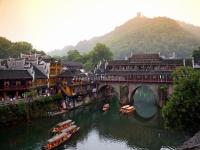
(99, 131)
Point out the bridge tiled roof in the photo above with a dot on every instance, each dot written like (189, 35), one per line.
(145, 56)
(172, 61)
(117, 62)
(149, 61)
(138, 72)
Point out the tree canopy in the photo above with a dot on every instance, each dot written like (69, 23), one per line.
(13, 49)
(74, 55)
(182, 109)
(91, 59)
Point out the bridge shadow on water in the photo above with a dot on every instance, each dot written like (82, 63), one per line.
(114, 128)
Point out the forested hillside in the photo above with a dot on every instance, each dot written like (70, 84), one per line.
(142, 34)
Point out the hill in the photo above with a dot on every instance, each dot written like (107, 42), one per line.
(142, 34)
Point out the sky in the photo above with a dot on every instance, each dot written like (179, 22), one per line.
(53, 24)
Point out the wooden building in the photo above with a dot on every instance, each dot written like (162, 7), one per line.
(40, 81)
(144, 68)
(14, 84)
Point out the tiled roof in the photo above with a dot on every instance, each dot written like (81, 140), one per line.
(138, 72)
(72, 64)
(172, 61)
(117, 62)
(71, 73)
(66, 74)
(39, 74)
(145, 56)
(14, 74)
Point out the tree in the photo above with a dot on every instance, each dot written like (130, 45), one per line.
(38, 52)
(74, 55)
(100, 52)
(20, 47)
(91, 59)
(182, 109)
(9, 49)
(5, 44)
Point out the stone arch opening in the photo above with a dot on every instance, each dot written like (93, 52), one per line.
(145, 101)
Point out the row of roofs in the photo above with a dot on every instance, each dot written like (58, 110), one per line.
(35, 66)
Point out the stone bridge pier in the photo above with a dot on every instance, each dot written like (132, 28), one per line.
(126, 91)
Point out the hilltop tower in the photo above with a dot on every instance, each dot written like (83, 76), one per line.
(139, 15)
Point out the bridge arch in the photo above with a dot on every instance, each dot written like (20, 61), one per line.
(145, 100)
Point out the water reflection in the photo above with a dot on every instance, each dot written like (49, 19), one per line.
(99, 130)
(145, 102)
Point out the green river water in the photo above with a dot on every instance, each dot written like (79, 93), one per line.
(99, 131)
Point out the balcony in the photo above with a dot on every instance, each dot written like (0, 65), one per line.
(14, 88)
(169, 81)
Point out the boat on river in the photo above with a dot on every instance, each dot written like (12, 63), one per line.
(106, 107)
(56, 141)
(127, 109)
(71, 130)
(62, 125)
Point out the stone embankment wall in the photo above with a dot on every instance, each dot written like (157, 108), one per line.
(193, 143)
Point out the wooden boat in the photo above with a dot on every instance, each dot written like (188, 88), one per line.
(62, 125)
(56, 141)
(130, 109)
(127, 109)
(106, 107)
(71, 130)
(123, 108)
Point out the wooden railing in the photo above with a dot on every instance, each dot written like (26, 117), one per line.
(169, 81)
(14, 87)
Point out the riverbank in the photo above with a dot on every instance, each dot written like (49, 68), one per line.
(24, 111)
(37, 108)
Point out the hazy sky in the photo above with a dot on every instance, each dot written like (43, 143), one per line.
(52, 24)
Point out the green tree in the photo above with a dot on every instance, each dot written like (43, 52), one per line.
(5, 44)
(182, 109)
(38, 52)
(91, 59)
(100, 52)
(74, 55)
(20, 47)
(9, 49)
